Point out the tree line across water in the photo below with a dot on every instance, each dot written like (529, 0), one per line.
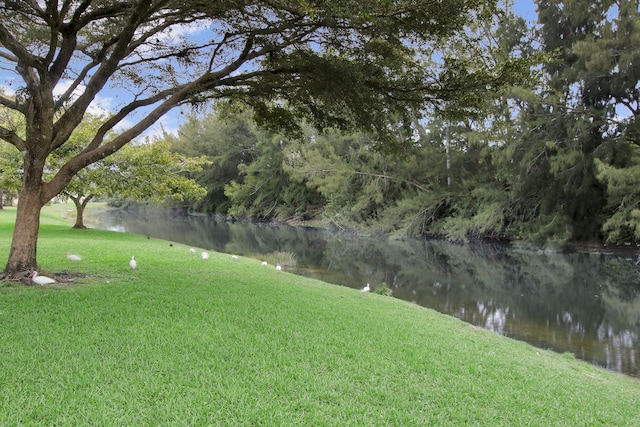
(552, 161)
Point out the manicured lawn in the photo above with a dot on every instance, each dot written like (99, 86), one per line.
(186, 341)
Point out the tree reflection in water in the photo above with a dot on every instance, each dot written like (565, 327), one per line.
(583, 303)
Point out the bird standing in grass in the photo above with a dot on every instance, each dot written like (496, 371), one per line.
(72, 257)
(40, 280)
(205, 255)
(278, 267)
(366, 288)
(133, 262)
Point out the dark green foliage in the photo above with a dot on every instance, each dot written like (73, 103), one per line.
(575, 121)
(550, 159)
(267, 191)
(227, 143)
(245, 178)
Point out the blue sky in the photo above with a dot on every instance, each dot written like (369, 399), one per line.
(526, 9)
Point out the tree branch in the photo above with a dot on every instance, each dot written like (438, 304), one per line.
(12, 138)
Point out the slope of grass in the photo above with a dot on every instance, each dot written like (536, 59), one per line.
(186, 341)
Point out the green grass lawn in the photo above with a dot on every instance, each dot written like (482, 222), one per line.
(186, 341)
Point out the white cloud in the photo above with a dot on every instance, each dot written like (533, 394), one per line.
(7, 90)
(101, 105)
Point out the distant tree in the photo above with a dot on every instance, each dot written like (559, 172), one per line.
(227, 140)
(356, 182)
(574, 165)
(453, 178)
(143, 172)
(611, 64)
(555, 193)
(266, 189)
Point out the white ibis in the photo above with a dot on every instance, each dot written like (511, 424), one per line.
(193, 251)
(205, 255)
(264, 263)
(366, 288)
(72, 257)
(278, 267)
(40, 280)
(234, 256)
(133, 262)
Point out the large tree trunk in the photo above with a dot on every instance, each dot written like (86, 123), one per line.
(25, 236)
(22, 256)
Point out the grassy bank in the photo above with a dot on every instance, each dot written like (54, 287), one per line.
(186, 341)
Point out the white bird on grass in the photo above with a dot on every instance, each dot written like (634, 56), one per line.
(133, 263)
(234, 256)
(72, 257)
(193, 251)
(40, 280)
(278, 267)
(366, 288)
(205, 255)
(264, 263)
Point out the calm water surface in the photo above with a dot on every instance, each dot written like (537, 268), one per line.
(583, 303)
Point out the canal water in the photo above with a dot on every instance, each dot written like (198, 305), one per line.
(584, 303)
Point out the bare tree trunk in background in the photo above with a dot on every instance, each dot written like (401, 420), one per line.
(81, 204)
